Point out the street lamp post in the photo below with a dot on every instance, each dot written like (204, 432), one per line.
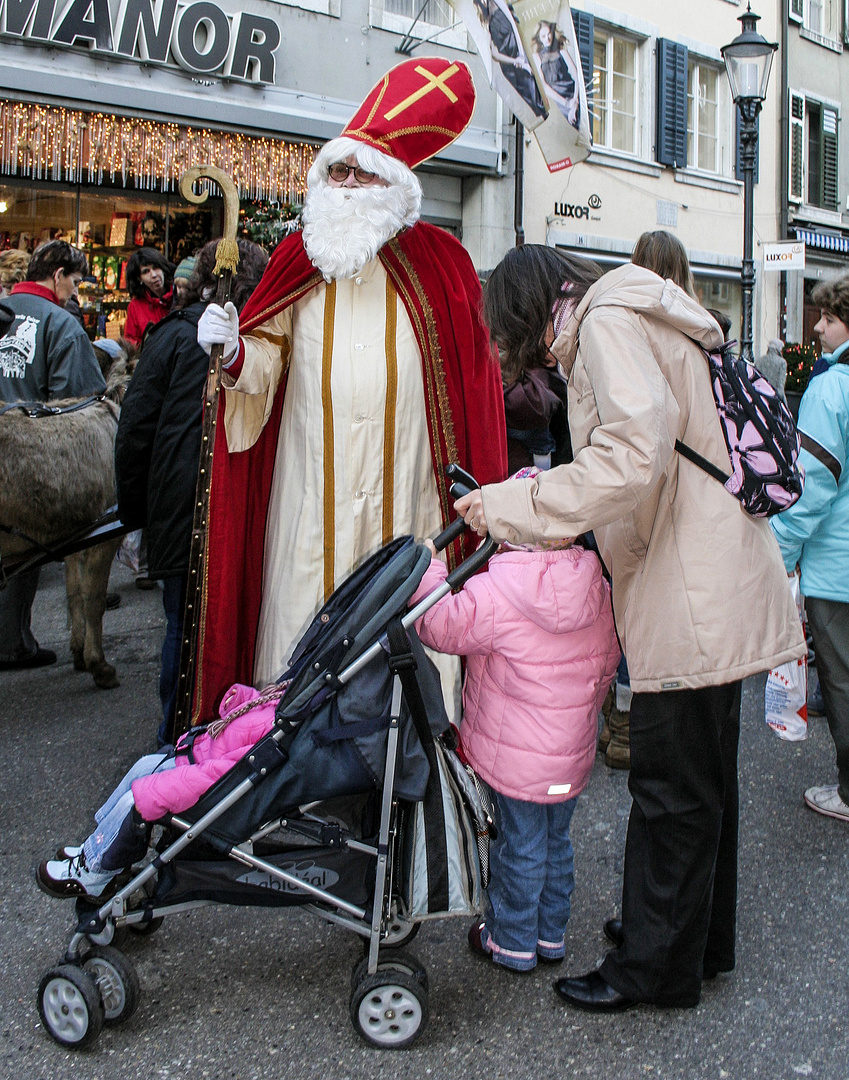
(748, 60)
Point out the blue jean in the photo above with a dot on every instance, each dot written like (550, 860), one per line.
(174, 603)
(532, 877)
(110, 816)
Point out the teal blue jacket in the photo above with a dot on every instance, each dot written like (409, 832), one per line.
(814, 532)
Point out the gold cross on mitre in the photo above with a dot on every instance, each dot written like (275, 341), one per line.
(432, 82)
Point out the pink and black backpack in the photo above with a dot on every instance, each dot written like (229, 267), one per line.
(760, 434)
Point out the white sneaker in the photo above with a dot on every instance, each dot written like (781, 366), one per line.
(68, 852)
(71, 877)
(825, 800)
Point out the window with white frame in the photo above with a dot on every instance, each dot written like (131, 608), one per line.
(703, 142)
(433, 20)
(822, 18)
(615, 91)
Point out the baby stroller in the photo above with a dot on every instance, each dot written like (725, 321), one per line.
(354, 807)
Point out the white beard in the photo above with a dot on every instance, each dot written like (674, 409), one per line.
(344, 228)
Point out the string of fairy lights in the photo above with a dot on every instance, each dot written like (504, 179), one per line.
(52, 143)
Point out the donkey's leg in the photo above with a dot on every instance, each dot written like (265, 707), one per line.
(95, 579)
(76, 614)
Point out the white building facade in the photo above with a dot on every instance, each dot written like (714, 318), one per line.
(665, 150)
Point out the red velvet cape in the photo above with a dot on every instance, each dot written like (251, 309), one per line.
(439, 287)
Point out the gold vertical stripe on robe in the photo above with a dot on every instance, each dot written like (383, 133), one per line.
(389, 412)
(329, 463)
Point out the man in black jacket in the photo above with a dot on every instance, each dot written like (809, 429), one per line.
(158, 446)
(45, 355)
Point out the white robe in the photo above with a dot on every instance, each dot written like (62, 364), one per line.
(339, 490)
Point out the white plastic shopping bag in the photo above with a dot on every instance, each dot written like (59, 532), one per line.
(128, 553)
(786, 694)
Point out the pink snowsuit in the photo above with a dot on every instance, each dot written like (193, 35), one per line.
(537, 632)
(179, 788)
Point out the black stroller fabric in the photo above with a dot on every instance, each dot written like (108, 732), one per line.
(339, 732)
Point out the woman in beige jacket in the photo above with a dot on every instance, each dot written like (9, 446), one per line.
(700, 593)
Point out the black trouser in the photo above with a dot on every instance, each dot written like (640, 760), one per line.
(829, 623)
(679, 890)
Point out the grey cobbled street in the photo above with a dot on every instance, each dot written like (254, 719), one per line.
(263, 994)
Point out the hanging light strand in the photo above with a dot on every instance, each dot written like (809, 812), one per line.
(46, 143)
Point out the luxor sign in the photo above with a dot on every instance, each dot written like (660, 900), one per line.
(198, 36)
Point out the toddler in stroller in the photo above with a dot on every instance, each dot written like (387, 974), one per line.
(169, 781)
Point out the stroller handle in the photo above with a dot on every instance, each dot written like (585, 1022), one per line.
(462, 483)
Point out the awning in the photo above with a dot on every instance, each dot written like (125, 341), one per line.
(827, 241)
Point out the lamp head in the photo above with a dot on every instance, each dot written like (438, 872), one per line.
(748, 60)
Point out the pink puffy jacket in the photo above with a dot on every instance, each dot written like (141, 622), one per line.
(537, 632)
(179, 788)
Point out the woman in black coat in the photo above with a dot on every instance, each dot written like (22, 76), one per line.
(158, 446)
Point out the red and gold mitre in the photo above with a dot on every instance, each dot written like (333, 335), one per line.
(417, 109)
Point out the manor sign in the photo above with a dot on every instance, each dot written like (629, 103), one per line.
(199, 36)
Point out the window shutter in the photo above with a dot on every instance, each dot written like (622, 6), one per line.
(584, 30)
(738, 167)
(796, 179)
(829, 159)
(671, 143)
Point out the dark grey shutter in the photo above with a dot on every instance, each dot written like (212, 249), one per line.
(671, 143)
(829, 159)
(738, 168)
(584, 29)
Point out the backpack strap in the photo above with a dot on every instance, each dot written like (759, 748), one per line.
(707, 466)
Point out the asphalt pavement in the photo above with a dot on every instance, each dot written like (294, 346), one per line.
(258, 995)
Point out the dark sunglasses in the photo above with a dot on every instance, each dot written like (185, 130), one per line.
(339, 172)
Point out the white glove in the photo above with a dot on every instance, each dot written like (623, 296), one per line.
(219, 326)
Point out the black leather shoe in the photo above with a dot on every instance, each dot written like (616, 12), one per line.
(591, 993)
(613, 932)
(40, 658)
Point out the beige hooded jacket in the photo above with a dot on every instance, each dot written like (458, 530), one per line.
(700, 594)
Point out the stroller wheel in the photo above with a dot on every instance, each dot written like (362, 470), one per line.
(116, 981)
(389, 1009)
(70, 1006)
(391, 960)
(399, 932)
(145, 929)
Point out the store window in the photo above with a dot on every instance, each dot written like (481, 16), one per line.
(720, 294)
(108, 227)
(703, 117)
(614, 91)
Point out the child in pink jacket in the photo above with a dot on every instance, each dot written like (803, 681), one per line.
(537, 632)
(166, 782)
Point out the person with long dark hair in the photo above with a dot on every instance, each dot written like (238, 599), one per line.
(150, 278)
(158, 444)
(685, 561)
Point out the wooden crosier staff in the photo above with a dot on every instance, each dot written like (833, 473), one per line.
(226, 262)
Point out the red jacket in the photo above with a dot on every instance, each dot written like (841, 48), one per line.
(143, 311)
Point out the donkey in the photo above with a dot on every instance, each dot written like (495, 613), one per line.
(57, 477)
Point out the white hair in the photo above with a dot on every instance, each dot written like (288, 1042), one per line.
(371, 159)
